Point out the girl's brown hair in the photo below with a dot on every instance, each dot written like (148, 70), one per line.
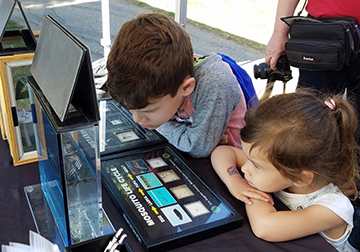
(299, 131)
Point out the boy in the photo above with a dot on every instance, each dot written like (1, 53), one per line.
(152, 73)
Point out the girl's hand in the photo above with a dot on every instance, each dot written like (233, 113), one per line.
(225, 160)
(244, 192)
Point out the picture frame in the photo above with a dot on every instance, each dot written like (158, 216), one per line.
(17, 108)
(2, 118)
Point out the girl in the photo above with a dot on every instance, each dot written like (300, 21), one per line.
(303, 148)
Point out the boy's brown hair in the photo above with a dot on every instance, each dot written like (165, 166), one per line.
(150, 57)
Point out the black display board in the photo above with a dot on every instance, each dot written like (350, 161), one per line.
(164, 202)
(26, 34)
(118, 131)
(62, 78)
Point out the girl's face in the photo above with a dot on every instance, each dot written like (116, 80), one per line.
(260, 173)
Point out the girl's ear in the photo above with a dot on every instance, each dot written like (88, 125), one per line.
(306, 178)
(187, 87)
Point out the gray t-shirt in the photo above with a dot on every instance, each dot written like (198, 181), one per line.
(214, 98)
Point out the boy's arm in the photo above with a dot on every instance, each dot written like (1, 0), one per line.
(225, 160)
(216, 95)
(277, 226)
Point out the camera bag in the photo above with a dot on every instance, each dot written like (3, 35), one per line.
(322, 43)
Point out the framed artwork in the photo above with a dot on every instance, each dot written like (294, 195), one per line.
(17, 104)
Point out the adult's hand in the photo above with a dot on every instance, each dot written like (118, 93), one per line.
(276, 45)
(275, 48)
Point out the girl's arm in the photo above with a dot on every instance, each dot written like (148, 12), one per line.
(225, 160)
(277, 226)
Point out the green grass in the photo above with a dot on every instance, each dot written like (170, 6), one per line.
(13, 26)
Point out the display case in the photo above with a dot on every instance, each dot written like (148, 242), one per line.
(118, 132)
(164, 202)
(70, 179)
(66, 107)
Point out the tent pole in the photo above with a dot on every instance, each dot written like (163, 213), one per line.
(180, 12)
(105, 41)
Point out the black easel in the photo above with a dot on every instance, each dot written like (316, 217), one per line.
(74, 103)
(26, 34)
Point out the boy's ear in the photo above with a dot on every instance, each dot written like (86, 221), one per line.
(187, 87)
(306, 178)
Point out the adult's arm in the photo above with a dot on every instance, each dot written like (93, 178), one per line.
(276, 45)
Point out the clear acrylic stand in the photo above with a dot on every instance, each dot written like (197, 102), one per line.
(44, 220)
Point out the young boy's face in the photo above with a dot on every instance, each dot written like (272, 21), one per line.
(163, 109)
(157, 112)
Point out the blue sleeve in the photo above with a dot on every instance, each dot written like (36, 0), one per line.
(244, 81)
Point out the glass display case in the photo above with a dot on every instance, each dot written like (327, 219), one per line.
(70, 179)
(66, 107)
(118, 131)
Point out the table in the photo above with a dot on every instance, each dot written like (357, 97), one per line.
(16, 219)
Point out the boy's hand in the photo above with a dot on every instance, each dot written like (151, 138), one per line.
(224, 139)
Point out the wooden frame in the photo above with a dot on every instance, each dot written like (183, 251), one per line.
(2, 116)
(17, 113)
